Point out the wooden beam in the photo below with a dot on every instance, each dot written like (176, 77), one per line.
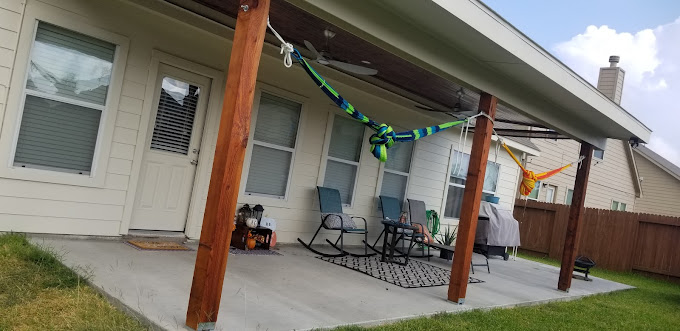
(472, 196)
(232, 139)
(576, 214)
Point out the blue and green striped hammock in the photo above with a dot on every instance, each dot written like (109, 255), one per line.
(385, 136)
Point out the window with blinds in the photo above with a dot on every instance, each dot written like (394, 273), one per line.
(344, 152)
(175, 117)
(274, 142)
(457, 179)
(65, 96)
(397, 169)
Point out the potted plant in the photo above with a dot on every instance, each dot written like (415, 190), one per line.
(447, 239)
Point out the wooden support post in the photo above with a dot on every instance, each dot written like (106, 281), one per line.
(232, 139)
(576, 213)
(472, 197)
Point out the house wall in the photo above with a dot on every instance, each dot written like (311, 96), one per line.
(31, 202)
(610, 179)
(660, 190)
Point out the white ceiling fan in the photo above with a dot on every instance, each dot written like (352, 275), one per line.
(325, 58)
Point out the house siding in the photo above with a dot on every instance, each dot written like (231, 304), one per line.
(34, 206)
(660, 190)
(610, 179)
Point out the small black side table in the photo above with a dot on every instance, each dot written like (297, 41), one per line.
(393, 226)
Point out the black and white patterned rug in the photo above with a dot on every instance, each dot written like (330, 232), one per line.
(415, 274)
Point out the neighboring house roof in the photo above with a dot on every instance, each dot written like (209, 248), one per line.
(661, 162)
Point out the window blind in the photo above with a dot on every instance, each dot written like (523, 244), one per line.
(57, 135)
(346, 139)
(70, 65)
(175, 117)
(277, 121)
(269, 170)
(400, 157)
(394, 185)
(341, 176)
(277, 125)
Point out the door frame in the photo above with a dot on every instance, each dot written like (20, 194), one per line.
(210, 127)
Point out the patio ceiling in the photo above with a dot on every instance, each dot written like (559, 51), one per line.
(400, 74)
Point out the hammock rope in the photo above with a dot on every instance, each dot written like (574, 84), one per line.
(384, 136)
(529, 178)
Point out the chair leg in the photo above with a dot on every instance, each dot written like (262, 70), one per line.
(342, 248)
(309, 246)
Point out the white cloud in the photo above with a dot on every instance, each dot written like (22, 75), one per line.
(651, 59)
(662, 147)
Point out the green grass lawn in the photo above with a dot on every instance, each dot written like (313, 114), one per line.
(37, 292)
(653, 305)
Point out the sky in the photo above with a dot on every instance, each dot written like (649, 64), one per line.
(646, 34)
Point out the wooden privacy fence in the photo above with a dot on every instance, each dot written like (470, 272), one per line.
(615, 240)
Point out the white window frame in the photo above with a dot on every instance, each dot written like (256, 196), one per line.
(598, 158)
(618, 205)
(36, 13)
(538, 193)
(566, 196)
(383, 169)
(252, 142)
(452, 160)
(554, 190)
(325, 157)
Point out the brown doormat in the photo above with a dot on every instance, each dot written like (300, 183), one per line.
(147, 245)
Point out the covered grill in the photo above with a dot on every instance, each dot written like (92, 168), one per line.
(497, 229)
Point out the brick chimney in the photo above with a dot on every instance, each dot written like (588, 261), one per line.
(610, 81)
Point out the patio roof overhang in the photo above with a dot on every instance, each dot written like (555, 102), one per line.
(427, 50)
(466, 42)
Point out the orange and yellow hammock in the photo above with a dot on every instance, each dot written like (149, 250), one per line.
(529, 178)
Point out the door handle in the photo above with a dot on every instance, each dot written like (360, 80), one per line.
(194, 162)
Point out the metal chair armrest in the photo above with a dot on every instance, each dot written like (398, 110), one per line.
(365, 223)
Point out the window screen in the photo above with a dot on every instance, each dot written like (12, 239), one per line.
(66, 93)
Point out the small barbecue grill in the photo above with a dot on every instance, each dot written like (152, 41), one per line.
(583, 264)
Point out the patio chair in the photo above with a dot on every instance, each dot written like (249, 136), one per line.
(332, 218)
(391, 210)
(418, 214)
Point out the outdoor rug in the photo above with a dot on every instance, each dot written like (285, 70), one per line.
(150, 245)
(415, 274)
(236, 251)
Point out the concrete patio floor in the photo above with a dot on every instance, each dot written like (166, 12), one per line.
(297, 291)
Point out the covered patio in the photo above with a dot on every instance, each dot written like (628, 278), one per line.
(456, 58)
(296, 291)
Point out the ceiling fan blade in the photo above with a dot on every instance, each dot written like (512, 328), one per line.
(311, 48)
(359, 70)
(431, 109)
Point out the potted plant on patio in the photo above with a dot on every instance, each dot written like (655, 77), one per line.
(447, 239)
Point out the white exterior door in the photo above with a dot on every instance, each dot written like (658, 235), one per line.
(169, 164)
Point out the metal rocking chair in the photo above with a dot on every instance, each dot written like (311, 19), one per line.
(391, 210)
(332, 218)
